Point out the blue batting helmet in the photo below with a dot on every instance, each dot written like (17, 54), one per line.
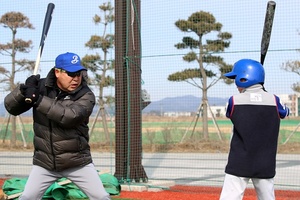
(246, 73)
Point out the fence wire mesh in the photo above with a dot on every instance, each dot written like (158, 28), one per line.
(163, 137)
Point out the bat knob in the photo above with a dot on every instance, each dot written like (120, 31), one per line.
(28, 100)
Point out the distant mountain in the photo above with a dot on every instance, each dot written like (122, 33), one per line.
(188, 103)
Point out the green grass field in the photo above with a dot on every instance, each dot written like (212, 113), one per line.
(166, 131)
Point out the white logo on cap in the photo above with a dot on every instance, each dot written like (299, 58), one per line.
(75, 59)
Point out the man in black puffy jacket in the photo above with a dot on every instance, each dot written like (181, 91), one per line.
(62, 104)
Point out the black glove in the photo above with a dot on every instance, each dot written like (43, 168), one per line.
(30, 93)
(33, 80)
(30, 89)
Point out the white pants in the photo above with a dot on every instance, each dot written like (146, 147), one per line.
(86, 178)
(234, 188)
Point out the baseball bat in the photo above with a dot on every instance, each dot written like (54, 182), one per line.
(46, 26)
(266, 36)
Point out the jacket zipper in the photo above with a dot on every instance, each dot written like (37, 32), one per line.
(51, 143)
(54, 164)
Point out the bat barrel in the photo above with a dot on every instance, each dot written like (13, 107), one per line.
(266, 36)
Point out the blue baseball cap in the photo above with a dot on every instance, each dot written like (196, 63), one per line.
(69, 62)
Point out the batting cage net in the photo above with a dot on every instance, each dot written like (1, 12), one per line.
(157, 71)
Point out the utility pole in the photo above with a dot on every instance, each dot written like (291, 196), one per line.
(129, 105)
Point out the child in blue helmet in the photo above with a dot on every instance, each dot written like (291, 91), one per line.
(255, 115)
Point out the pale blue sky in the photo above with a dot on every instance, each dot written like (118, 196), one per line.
(72, 26)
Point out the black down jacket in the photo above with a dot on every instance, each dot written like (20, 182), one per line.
(60, 123)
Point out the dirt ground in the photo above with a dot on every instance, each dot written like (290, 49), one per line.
(212, 147)
(196, 147)
(199, 192)
(192, 147)
(293, 148)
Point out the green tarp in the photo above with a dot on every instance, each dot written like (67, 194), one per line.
(62, 189)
